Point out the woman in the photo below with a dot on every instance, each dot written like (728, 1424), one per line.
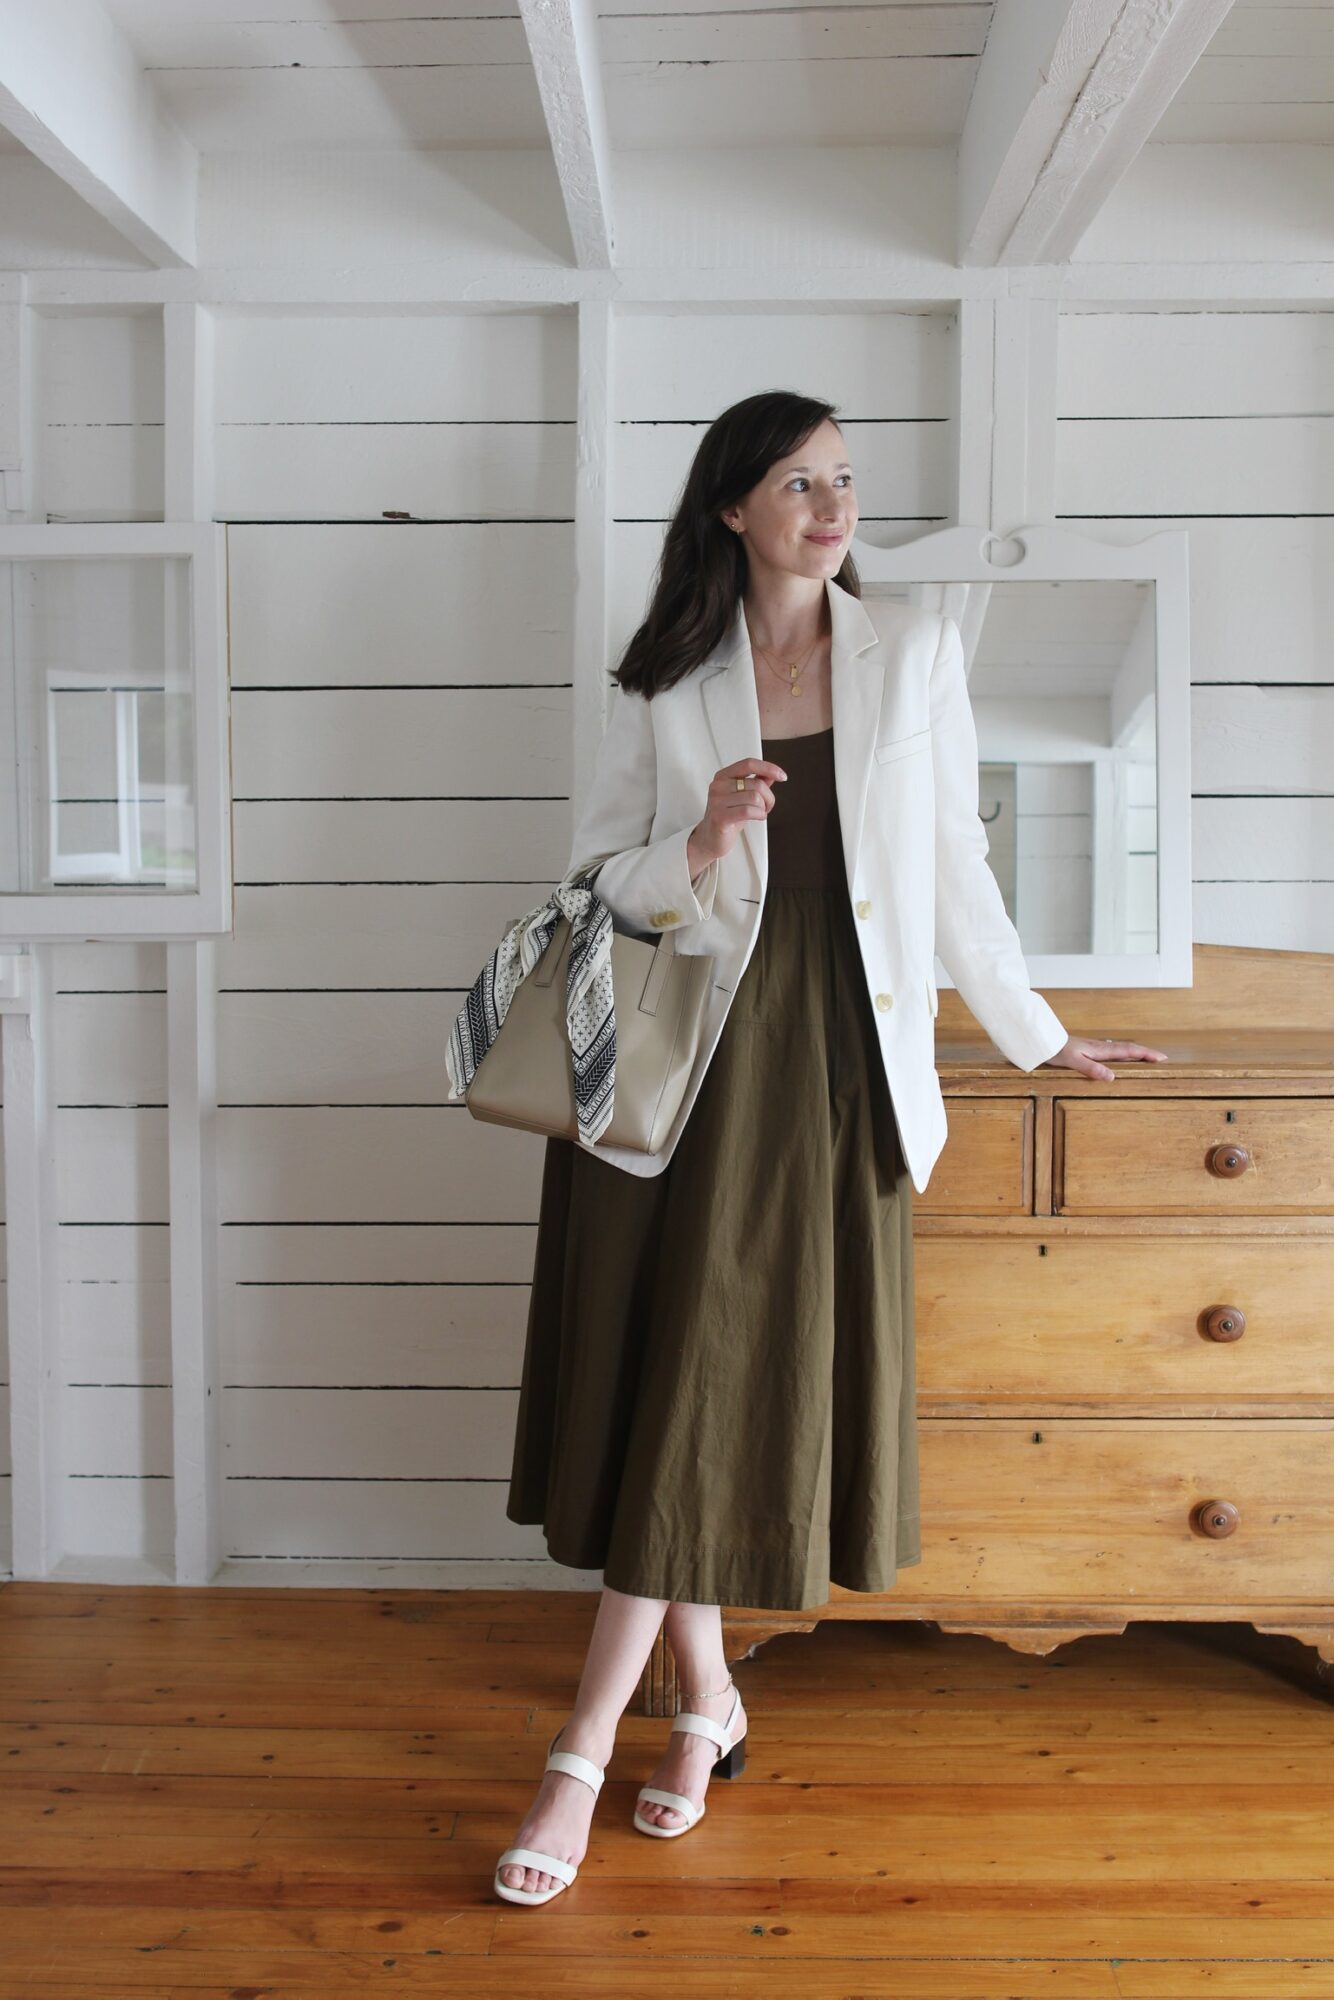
(718, 1396)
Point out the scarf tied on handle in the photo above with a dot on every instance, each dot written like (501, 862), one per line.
(590, 1012)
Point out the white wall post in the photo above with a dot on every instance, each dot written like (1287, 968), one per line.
(192, 1089)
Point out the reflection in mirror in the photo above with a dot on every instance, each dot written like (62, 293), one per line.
(1062, 677)
(95, 682)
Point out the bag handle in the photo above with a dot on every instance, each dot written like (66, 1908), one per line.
(655, 984)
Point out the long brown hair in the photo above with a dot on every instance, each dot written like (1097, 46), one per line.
(703, 566)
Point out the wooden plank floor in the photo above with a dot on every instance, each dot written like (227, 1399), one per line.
(244, 1793)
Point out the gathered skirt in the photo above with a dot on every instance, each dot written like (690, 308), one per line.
(718, 1400)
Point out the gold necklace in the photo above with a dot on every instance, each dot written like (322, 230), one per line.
(792, 665)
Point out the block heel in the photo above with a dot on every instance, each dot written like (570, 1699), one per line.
(733, 1763)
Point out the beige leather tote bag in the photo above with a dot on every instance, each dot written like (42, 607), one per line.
(525, 1078)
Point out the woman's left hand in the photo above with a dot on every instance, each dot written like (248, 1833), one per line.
(1090, 1056)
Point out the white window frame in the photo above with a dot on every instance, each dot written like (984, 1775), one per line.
(148, 916)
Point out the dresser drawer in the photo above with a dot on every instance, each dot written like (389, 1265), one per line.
(1146, 1512)
(1194, 1156)
(986, 1165)
(1193, 1322)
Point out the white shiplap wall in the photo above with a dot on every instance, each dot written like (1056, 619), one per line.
(401, 718)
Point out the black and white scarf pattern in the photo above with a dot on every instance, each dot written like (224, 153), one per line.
(590, 1012)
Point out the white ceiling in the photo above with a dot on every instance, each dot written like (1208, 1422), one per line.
(251, 76)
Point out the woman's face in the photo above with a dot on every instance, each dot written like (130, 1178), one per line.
(801, 516)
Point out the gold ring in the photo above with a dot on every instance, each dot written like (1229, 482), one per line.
(741, 784)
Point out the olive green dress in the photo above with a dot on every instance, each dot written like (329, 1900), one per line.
(718, 1402)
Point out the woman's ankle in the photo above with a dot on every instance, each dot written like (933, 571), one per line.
(592, 1733)
(714, 1684)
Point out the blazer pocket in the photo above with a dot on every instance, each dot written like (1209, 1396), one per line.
(902, 746)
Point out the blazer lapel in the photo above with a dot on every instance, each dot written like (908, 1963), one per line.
(856, 689)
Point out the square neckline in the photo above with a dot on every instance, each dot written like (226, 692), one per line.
(804, 737)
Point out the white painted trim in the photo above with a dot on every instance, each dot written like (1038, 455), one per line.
(358, 1573)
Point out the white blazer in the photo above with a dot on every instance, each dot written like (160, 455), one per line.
(906, 776)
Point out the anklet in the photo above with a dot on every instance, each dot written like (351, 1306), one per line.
(688, 1694)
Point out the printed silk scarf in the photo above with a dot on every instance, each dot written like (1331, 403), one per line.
(589, 1010)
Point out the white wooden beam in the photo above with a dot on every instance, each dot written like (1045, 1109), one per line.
(1023, 432)
(12, 316)
(562, 41)
(36, 1373)
(72, 90)
(592, 538)
(1219, 285)
(192, 1042)
(187, 366)
(974, 409)
(1006, 403)
(192, 1122)
(1064, 99)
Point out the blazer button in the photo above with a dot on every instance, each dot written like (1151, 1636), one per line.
(671, 916)
(884, 1000)
(863, 908)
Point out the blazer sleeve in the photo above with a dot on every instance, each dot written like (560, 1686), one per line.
(977, 944)
(646, 883)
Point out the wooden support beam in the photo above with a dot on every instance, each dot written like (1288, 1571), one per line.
(73, 92)
(192, 1044)
(36, 1371)
(1065, 98)
(562, 41)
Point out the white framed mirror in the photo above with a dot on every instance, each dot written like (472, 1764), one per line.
(1077, 653)
(114, 725)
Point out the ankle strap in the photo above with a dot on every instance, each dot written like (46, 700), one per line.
(704, 1725)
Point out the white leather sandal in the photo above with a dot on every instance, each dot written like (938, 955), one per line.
(531, 1857)
(729, 1764)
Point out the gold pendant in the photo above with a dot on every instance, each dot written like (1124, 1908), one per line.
(795, 688)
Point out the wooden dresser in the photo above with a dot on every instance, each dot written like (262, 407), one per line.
(1125, 1327)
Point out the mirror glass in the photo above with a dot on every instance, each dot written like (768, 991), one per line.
(95, 721)
(1062, 677)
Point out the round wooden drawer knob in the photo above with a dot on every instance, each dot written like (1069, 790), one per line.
(1216, 1518)
(1225, 1323)
(1229, 1161)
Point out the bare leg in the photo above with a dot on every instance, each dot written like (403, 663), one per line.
(558, 1820)
(695, 1634)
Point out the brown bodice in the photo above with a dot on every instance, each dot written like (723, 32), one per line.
(805, 838)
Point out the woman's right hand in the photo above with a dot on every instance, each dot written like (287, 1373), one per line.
(716, 833)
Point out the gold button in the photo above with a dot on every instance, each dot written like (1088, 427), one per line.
(863, 908)
(671, 916)
(884, 1000)
(655, 917)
